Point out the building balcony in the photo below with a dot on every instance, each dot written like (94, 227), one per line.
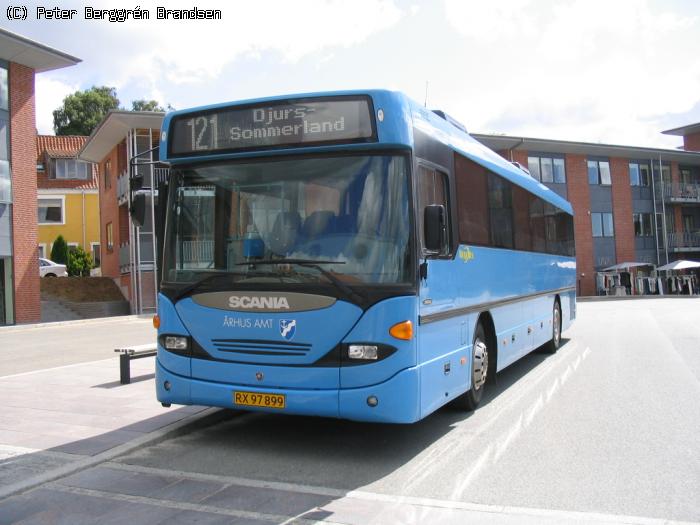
(123, 188)
(146, 255)
(161, 175)
(684, 241)
(682, 192)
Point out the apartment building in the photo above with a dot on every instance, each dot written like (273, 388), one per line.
(128, 255)
(67, 198)
(631, 204)
(20, 60)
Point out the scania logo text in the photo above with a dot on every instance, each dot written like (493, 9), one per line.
(258, 303)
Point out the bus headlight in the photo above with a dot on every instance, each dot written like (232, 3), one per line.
(363, 352)
(175, 342)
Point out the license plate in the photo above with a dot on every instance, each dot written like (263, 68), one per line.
(259, 399)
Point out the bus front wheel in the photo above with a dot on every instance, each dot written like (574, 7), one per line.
(479, 370)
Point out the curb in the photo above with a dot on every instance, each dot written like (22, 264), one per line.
(603, 298)
(203, 419)
(34, 326)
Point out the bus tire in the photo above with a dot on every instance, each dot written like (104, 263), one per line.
(479, 370)
(553, 344)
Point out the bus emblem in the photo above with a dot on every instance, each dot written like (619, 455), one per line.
(466, 254)
(288, 328)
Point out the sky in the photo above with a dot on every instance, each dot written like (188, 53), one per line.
(609, 71)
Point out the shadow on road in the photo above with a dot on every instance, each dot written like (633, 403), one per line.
(317, 452)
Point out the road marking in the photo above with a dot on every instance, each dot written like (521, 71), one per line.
(577, 516)
(551, 390)
(443, 449)
(506, 438)
(112, 359)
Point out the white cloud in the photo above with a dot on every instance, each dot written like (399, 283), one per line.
(580, 69)
(196, 51)
(49, 95)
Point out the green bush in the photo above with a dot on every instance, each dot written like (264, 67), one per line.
(59, 252)
(79, 263)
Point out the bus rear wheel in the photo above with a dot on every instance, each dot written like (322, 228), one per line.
(479, 370)
(553, 345)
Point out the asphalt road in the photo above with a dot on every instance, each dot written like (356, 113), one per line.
(604, 431)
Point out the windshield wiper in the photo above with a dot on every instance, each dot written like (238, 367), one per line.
(316, 265)
(203, 280)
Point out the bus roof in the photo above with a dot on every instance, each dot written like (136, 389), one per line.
(391, 132)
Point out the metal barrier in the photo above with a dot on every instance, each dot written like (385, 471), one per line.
(129, 353)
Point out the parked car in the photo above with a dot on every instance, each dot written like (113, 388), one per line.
(48, 268)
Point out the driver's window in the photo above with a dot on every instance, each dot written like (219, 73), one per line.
(432, 189)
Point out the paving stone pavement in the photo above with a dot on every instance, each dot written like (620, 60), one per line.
(55, 417)
(121, 493)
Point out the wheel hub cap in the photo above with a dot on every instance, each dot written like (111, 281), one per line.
(481, 364)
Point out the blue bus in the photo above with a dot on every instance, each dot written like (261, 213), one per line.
(350, 255)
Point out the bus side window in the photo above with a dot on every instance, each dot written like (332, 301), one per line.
(432, 189)
(521, 219)
(472, 199)
(500, 211)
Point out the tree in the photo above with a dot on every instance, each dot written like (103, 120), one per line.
(79, 263)
(59, 252)
(83, 110)
(147, 105)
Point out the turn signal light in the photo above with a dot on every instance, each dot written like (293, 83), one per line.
(403, 330)
(156, 321)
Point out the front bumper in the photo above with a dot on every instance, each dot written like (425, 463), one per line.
(398, 397)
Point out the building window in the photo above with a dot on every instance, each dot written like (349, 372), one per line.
(688, 223)
(599, 172)
(602, 224)
(108, 174)
(5, 181)
(642, 224)
(110, 238)
(95, 248)
(41, 250)
(665, 172)
(71, 169)
(547, 169)
(51, 210)
(4, 98)
(639, 174)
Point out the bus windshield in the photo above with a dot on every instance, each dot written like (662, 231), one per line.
(331, 220)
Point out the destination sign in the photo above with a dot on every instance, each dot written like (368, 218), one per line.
(272, 125)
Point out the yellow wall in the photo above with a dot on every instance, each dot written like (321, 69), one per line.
(72, 230)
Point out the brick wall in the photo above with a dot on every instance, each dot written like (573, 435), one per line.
(516, 155)
(675, 173)
(622, 210)
(579, 196)
(678, 219)
(24, 207)
(692, 142)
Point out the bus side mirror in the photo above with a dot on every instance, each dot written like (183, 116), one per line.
(138, 209)
(434, 227)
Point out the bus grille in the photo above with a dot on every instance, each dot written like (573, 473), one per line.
(258, 347)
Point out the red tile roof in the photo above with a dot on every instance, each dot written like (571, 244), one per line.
(61, 147)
